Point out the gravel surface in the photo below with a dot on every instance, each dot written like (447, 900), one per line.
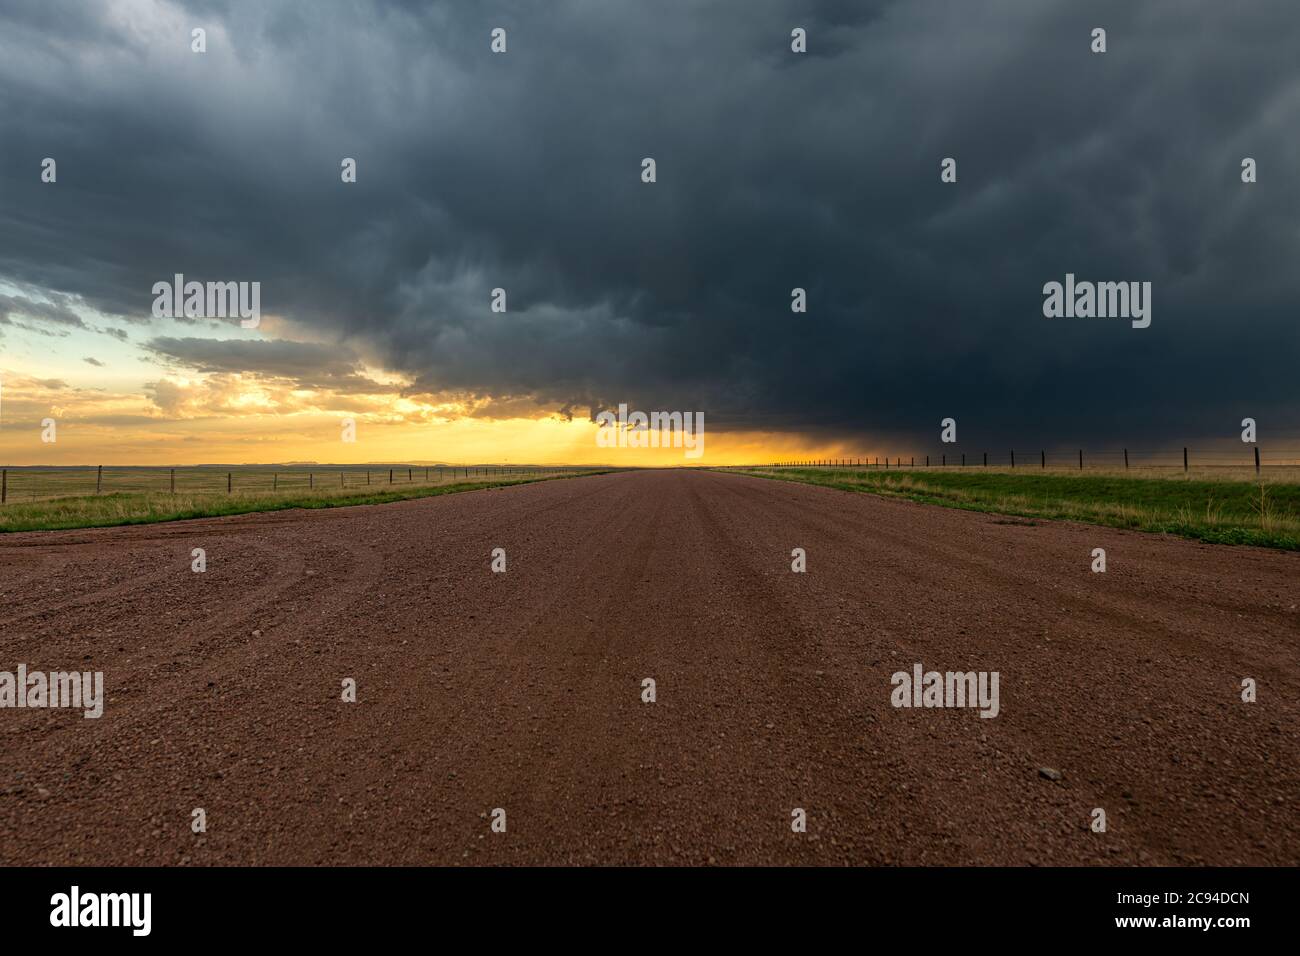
(523, 691)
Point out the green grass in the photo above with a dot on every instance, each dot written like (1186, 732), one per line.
(26, 484)
(1218, 510)
(147, 507)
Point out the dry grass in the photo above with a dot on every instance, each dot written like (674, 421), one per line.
(90, 511)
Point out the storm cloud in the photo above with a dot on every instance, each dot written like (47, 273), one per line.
(775, 170)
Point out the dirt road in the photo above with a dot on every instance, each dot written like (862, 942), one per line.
(523, 690)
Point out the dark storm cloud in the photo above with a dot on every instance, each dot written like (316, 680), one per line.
(56, 313)
(775, 170)
(308, 364)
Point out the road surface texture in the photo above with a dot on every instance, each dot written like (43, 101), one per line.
(523, 691)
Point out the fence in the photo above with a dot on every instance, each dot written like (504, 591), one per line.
(1080, 459)
(39, 483)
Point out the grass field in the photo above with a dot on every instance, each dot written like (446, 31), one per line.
(1223, 506)
(142, 496)
(36, 483)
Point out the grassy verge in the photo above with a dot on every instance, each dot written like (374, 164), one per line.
(98, 511)
(1219, 511)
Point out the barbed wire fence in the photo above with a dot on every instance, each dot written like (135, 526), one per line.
(33, 483)
(1079, 459)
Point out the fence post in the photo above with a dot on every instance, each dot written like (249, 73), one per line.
(1184, 459)
(1081, 459)
(341, 483)
(390, 476)
(927, 461)
(1044, 454)
(943, 462)
(275, 481)
(986, 459)
(4, 483)
(1257, 459)
(1013, 458)
(367, 476)
(1126, 459)
(408, 476)
(963, 459)
(228, 482)
(173, 481)
(311, 481)
(99, 478)
(913, 461)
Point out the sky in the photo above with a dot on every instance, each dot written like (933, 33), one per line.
(523, 171)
